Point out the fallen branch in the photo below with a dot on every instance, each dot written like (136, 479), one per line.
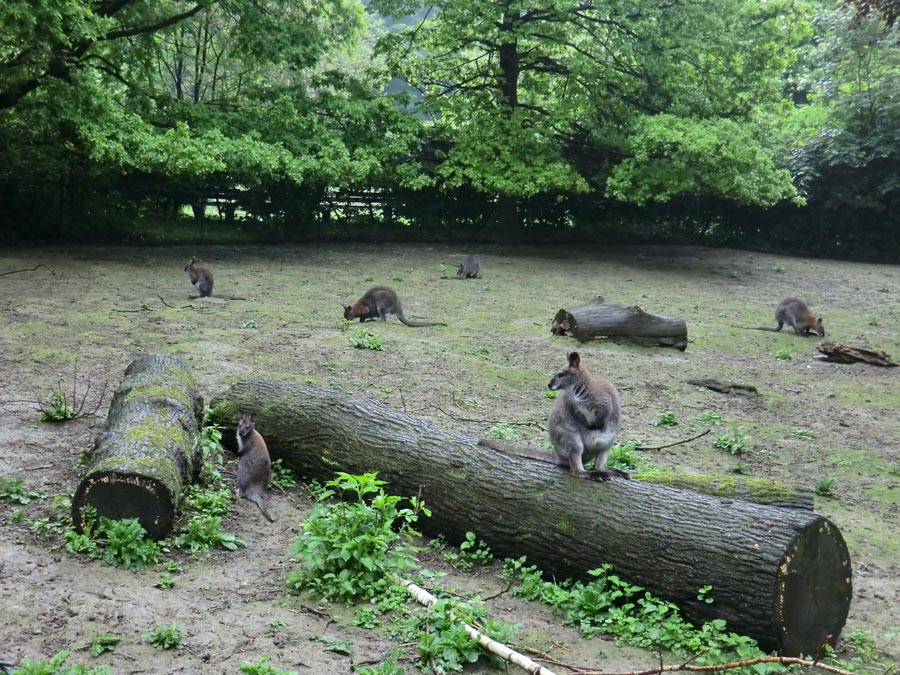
(671, 445)
(164, 302)
(423, 597)
(688, 666)
(724, 387)
(838, 352)
(31, 269)
(469, 419)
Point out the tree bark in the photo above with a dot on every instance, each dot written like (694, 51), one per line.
(149, 450)
(600, 319)
(781, 576)
(841, 353)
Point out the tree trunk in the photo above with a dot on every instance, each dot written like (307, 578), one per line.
(781, 576)
(841, 353)
(150, 449)
(600, 319)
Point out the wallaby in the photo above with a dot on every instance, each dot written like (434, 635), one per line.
(254, 465)
(796, 314)
(377, 303)
(201, 277)
(469, 267)
(584, 422)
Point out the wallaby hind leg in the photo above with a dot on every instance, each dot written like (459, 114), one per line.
(569, 452)
(602, 472)
(780, 325)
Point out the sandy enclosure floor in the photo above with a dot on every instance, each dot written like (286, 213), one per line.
(91, 311)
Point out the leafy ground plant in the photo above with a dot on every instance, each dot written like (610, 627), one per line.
(506, 432)
(205, 532)
(102, 642)
(710, 417)
(13, 490)
(166, 637)
(349, 550)
(262, 667)
(360, 338)
(472, 552)
(733, 444)
(56, 665)
(824, 487)
(126, 544)
(624, 457)
(283, 476)
(666, 419)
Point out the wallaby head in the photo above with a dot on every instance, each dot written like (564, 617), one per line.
(569, 375)
(246, 424)
(820, 329)
(187, 268)
(348, 311)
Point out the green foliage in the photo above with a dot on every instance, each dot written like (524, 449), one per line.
(166, 637)
(126, 544)
(213, 456)
(783, 354)
(56, 665)
(740, 468)
(261, 667)
(709, 417)
(704, 596)
(283, 476)
(366, 617)
(18, 516)
(824, 486)
(56, 407)
(360, 338)
(472, 552)
(102, 642)
(611, 606)
(388, 667)
(208, 502)
(666, 419)
(348, 550)
(624, 456)
(249, 323)
(803, 433)
(548, 393)
(334, 645)
(79, 543)
(503, 431)
(165, 581)
(13, 490)
(733, 444)
(203, 532)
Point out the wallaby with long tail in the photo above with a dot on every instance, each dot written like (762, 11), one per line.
(201, 277)
(585, 419)
(795, 313)
(254, 465)
(469, 267)
(377, 303)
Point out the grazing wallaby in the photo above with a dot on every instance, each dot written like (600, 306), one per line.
(201, 277)
(254, 465)
(584, 422)
(469, 267)
(796, 314)
(377, 303)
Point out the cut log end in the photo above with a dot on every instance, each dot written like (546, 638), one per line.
(113, 494)
(812, 607)
(607, 321)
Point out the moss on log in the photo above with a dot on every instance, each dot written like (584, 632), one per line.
(781, 576)
(149, 449)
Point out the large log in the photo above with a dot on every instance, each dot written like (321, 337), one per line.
(781, 576)
(149, 449)
(838, 352)
(600, 319)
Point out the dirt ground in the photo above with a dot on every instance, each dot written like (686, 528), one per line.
(88, 312)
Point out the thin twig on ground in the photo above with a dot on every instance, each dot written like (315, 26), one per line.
(30, 269)
(671, 445)
(469, 419)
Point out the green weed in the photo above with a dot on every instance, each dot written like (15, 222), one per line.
(824, 487)
(215, 502)
(126, 544)
(710, 418)
(165, 581)
(802, 433)
(733, 444)
(102, 643)
(366, 617)
(472, 552)
(666, 419)
(205, 532)
(249, 323)
(740, 468)
(783, 354)
(283, 476)
(261, 667)
(624, 457)
(12, 490)
(166, 637)
(349, 549)
(56, 665)
(360, 338)
(56, 407)
(503, 431)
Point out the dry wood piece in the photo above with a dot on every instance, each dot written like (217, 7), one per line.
(841, 353)
(725, 387)
(781, 576)
(600, 319)
(149, 450)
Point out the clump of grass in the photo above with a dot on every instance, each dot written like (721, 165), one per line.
(824, 486)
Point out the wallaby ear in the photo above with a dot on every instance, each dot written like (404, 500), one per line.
(574, 360)
(819, 322)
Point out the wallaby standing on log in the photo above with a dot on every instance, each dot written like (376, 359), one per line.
(469, 267)
(795, 313)
(254, 465)
(201, 277)
(584, 422)
(377, 303)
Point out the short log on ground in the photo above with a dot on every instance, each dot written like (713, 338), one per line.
(839, 352)
(781, 576)
(149, 450)
(600, 320)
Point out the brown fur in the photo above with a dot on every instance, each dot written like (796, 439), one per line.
(585, 419)
(469, 267)
(254, 465)
(795, 313)
(201, 277)
(377, 303)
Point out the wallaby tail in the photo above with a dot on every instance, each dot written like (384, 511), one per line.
(765, 328)
(417, 324)
(519, 450)
(260, 501)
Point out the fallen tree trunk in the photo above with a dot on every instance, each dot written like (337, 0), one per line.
(600, 319)
(781, 576)
(757, 490)
(838, 352)
(149, 450)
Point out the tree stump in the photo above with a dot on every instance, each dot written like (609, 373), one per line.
(781, 576)
(149, 450)
(604, 320)
(838, 352)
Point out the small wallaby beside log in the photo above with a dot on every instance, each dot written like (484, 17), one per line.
(254, 465)
(584, 422)
(201, 277)
(795, 313)
(377, 303)
(469, 267)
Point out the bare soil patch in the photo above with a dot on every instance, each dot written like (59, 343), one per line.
(91, 311)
